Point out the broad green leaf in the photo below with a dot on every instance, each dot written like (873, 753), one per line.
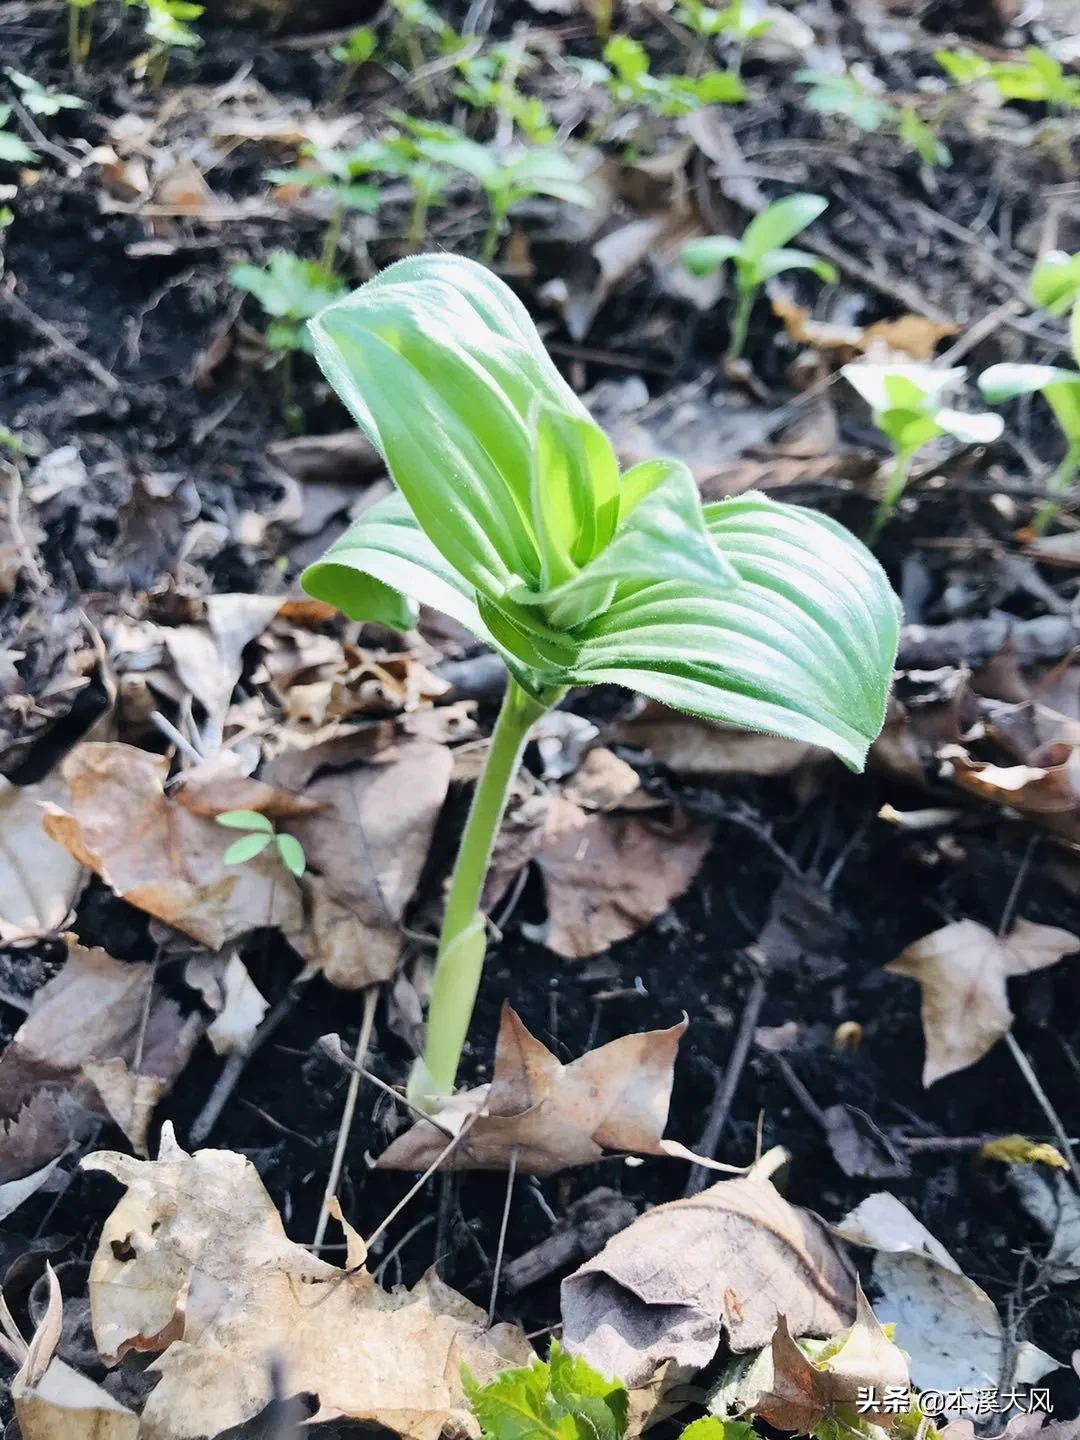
(515, 1405)
(576, 1386)
(575, 493)
(1060, 387)
(383, 558)
(292, 854)
(776, 262)
(704, 255)
(802, 648)
(440, 365)
(246, 848)
(1055, 281)
(287, 287)
(244, 820)
(969, 429)
(780, 222)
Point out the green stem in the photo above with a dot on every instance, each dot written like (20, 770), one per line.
(1063, 477)
(491, 236)
(462, 942)
(73, 36)
(418, 218)
(740, 323)
(332, 238)
(893, 490)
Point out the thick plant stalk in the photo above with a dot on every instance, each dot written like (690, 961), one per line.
(893, 490)
(1063, 478)
(463, 939)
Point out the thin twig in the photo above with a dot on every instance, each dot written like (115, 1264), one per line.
(419, 1185)
(371, 995)
(330, 1045)
(725, 1094)
(58, 340)
(169, 730)
(510, 1175)
(234, 1067)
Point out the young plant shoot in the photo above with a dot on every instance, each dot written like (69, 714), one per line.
(905, 400)
(260, 833)
(759, 256)
(1055, 285)
(512, 517)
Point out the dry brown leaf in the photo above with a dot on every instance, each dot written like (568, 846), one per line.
(91, 1011)
(161, 857)
(734, 1259)
(39, 880)
(908, 337)
(606, 876)
(129, 1098)
(962, 969)
(54, 1402)
(208, 659)
(553, 1115)
(215, 786)
(241, 1011)
(194, 1261)
(691, 746)
(1051, 787)
(802, 1392)
(369, 845)
(604, 782)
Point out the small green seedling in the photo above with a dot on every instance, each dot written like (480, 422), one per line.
(290, 290)
(260, 834)
(1055, 285)
(1038, 78)
(743, 20)
(80, 32)
(356, 50)
(907, 409)
(486, 84)
(166, 27)
(629, 82)
(42, 99)
(846, 95)
(563, 1399)
(535, 171)
(760, 255)
(13, 149)
(418, 21)
(512, 517)
(337, 172)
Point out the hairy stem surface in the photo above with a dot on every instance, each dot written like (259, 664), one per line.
(462, 942)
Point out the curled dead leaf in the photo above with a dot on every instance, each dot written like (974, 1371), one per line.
(194, 1262)
(962, 969)
(39, 880)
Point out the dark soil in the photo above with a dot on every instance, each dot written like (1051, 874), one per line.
(149, 318)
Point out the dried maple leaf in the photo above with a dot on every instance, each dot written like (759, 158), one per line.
(160, 856)
(734, 1258)
(39, 880)
(805, 1389)
(92, 1011)
(962, 969)
(605, 876)
(554, 1115)
(194, 1261)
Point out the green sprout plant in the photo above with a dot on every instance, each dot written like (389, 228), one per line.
(627, 76)
(1038, 77)
(417, 22)
(259, 834)
(352, 52)
(488, 83)
(42, 99)
(511, 516)
(166, 27)
(338, 172)
(563, 1398)
(906, 402)
(843, 93)
(80, 31)
(13, 149)
(1055, 285)
(290, 291)
(759, 256)
(536, 170)
(740, 22)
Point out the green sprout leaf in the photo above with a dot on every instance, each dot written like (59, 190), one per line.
(292, 854)
(290, 290)
(1055, 281)
(564, 1399)
(246, 848)
(41, 99)
(357, 49)
(244, 820)
(13, 149)
(670, 600)
(843, 94)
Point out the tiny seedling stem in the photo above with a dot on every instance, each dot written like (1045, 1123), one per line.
(74, 38)
(893, 490)
(491, 236)
(418, 218)
(740, 323)
(332, 238)
(461, 945)
(1063, 478)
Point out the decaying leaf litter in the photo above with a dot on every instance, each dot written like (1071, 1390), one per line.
(160, 667)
